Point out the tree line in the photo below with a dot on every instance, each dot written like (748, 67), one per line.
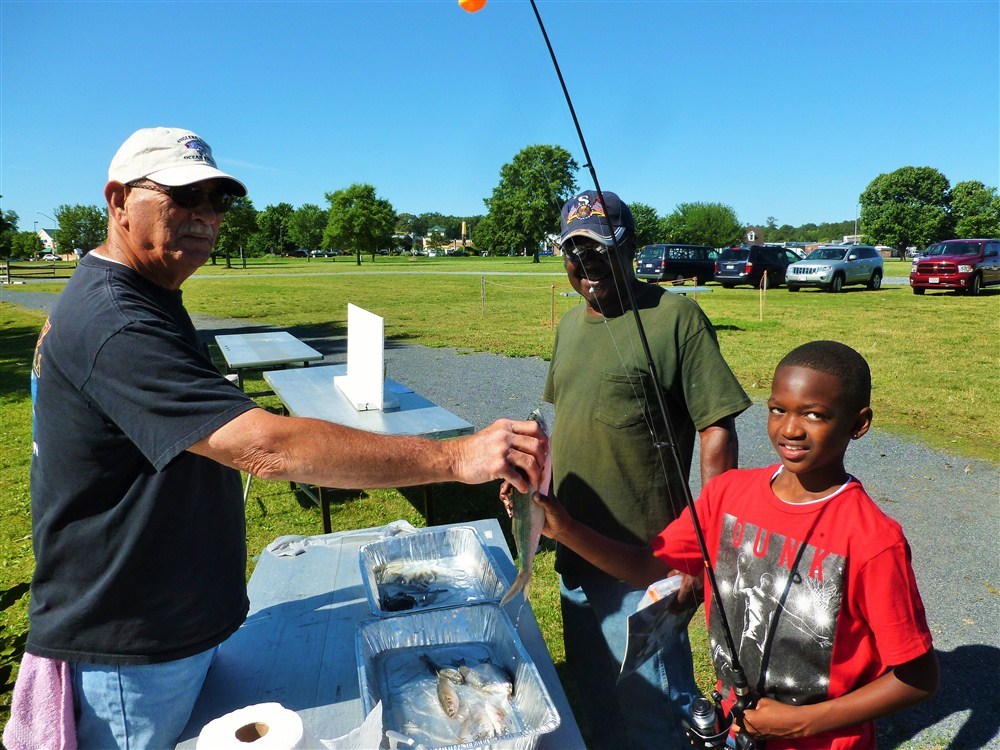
(912, 206)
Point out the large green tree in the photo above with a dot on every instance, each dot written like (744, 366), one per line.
(712, 224)
(273, 222)
(306, 225)
(525, 205)
(80, 227)
(238, 232)
(488, 239)
(26, 245)
(359, 220)
(648, 226)
(975, 210)
(908, 207)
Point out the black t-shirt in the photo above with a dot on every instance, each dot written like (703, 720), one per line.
(140, 546)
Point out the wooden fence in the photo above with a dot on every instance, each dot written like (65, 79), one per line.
(37, 270)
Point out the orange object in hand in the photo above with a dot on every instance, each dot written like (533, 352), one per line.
(472, 6)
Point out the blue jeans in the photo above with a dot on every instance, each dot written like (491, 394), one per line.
(644, 709)
(136, 707)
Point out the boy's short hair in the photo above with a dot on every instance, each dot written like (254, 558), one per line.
(838, 360)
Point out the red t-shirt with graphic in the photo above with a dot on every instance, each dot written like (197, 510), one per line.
(820, 597)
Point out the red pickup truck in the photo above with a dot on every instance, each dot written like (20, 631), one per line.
(964, 265)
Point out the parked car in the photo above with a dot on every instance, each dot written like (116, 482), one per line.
(667, 262)
(964, 265)
(296, 254)
(833, 266)
(748, 265)
(51, 256)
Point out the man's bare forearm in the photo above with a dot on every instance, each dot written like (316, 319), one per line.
(635, 565)
(330, 455)
(719, 449)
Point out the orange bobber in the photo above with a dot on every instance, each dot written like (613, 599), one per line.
(472, 6)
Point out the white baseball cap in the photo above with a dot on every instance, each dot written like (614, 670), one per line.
(169, 156)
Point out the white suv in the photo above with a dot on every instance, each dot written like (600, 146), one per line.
(832, 266)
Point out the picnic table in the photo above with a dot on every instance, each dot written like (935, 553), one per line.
(297, 645)
(246, 352)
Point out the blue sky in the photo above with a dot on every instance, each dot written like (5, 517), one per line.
(783, 109)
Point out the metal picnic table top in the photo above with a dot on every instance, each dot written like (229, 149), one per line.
(297, 645)
(310, 392)
(245, 351)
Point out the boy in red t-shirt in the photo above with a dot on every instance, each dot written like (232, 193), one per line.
(815, 580)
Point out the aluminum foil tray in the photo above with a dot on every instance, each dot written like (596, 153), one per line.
(396, 660)
(430, 569)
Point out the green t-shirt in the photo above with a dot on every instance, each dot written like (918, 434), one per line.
(606, 469)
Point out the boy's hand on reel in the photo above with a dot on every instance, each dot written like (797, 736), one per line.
(773, 719)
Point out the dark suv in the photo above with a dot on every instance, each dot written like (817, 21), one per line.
(964, 265)
(667, 262)
(748, 265)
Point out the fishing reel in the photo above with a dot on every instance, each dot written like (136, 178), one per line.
(708, 726)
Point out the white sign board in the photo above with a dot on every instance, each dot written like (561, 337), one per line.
(364, 383)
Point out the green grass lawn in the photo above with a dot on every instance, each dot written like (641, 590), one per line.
(933, 359)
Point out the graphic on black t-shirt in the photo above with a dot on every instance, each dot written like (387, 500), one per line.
(782, 597)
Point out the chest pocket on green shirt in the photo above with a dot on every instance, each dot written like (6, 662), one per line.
(621, 401)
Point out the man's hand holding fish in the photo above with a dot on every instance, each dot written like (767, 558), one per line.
(475, 459)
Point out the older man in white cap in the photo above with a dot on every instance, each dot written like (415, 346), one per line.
(137, 510)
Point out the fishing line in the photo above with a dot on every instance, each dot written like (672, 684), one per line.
(637, 385)
(741, 688)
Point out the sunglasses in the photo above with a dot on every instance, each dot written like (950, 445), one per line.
(579, 252)
(190, 196)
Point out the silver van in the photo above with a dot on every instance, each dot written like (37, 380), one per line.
(833, 266)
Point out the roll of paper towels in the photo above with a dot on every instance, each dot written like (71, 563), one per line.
(264, 726)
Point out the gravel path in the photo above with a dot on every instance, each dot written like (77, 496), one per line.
(948, 506)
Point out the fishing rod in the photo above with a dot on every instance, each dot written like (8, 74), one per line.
(703, 731)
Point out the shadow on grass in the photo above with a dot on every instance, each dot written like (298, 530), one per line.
(995, 292)
(965, 688)
(15, 365)
(11, 643)
(453, 502)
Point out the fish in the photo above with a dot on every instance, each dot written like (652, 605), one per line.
(489, 678)
(527, 520)
(448, 696)
(406, 573)
(482, 720)
(449, 673)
